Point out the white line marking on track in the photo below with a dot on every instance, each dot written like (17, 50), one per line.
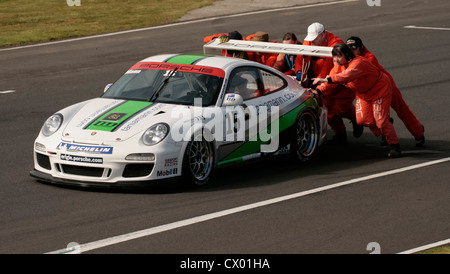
(173, 25)
(162, 228)
(430, 28)
(7, 91)
(425, 247)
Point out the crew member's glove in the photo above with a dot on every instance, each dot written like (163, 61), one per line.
(223, 38)
(313, 86)
(298, 75)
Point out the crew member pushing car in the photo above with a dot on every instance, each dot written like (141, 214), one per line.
(373, 93)
(398, 104)
(338, 98)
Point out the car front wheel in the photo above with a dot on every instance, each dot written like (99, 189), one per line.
(198, 162)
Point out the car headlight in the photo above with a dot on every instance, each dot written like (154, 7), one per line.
(52, 124)
(155, 134)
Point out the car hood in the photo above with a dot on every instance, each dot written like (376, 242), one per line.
(104, 120)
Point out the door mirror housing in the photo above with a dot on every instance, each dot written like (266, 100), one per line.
(232, 99)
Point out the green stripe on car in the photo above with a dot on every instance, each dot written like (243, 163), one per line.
(186, 59)
(115, 117)
(253, 147)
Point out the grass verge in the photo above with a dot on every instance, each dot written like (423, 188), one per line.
(437, 250)
(32, 21)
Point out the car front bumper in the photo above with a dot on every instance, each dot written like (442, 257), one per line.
(148, 184)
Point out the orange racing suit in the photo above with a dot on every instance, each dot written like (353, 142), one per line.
(316, 67)
(339, 101)
(373, 95)
(398, 104)
(265, 58)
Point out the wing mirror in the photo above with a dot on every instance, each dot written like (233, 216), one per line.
(232, 99)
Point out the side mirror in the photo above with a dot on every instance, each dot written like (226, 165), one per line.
(233, 99)
(107, 87)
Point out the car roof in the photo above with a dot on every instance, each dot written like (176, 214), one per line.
(214, 61)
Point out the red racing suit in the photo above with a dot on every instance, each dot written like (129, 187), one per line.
(209, 38)
(338, 99)
(339, 102)
(398, 104)
(265, 58)
(316, 67)
(373, 95)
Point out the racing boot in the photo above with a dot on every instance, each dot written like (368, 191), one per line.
(421, 141)
(357, 129)
(384, 142)
(395, 151)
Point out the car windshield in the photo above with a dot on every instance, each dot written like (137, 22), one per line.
(167, 83)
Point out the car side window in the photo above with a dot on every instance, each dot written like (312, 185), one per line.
(244, 81)
(271, 82)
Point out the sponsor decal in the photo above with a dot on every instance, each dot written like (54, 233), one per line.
(179, 67)
(231, 97)
(97, 112)
(114, 116)
(167, 172)
(83, 148)
(278, 101)
(171, 162)
(136, 119)
(81, 159)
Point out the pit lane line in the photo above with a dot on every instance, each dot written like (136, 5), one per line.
(162, 228)
(7, 91)
(428, 28)
(175, 24)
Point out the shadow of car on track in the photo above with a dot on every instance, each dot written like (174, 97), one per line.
(362, 154)
(330, 160)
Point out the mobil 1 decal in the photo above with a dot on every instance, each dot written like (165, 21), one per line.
(112, 119)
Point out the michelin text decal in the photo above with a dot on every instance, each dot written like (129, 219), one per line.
(82, 148)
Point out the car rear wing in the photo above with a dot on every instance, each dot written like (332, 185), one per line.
(242, 45)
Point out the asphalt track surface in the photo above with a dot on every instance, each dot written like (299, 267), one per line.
(403, 206)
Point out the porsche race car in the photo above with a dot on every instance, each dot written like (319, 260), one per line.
(179, 116)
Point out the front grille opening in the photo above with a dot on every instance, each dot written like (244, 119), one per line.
(82, 171)
(137, 170)
(43, 161)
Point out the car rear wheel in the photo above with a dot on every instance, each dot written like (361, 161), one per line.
(306, 136)
(198, 162)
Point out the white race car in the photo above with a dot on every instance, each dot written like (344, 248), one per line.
(176, 115)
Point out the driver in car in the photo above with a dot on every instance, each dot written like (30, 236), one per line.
(239, 86)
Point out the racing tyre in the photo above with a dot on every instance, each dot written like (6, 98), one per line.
(198, 162)
(306, 136)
